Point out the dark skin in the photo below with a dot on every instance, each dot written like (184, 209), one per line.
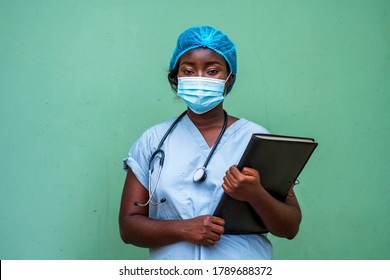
(281, 219)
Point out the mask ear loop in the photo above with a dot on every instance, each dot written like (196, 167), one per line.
(226, 87)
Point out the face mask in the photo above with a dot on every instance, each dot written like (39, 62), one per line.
(201, 94)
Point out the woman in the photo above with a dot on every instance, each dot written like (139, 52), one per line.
(169, 209)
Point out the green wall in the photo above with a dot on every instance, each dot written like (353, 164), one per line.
(80, 80)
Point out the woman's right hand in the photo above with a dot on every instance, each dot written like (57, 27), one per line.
(203, 230)
(138, 229)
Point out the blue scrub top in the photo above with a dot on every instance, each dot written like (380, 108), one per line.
(185, 151)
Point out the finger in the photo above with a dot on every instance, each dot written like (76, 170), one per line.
(250, 171)
(234, 171)
(215, 235)
(214, 221)
(233, 175)
(229, 180)
(218, 221)
(229, 187)
(236, 176)
(218, 229)
(210, 242)
(226, 188)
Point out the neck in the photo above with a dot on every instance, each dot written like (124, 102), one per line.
(214, 117)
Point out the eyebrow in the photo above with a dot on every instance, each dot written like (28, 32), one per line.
(207, 63)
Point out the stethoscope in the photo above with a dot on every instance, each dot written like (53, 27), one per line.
(199, 175)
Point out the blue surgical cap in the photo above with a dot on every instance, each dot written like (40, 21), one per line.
(206, 37)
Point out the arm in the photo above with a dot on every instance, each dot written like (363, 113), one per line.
(138, 229)
(280, 218)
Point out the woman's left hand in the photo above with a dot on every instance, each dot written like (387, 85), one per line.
(242, 185)
(280, 218)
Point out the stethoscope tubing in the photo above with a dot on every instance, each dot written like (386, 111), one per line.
(160, 153)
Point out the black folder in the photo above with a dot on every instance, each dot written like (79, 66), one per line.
(280, 160)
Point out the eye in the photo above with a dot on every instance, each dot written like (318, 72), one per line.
(212, 71)
(187, 72)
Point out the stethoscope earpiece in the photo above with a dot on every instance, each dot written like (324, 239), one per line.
(162, 200)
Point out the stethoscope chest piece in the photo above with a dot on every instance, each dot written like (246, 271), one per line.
(200, 175)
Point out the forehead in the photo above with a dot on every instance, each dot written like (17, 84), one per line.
(202, 55)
